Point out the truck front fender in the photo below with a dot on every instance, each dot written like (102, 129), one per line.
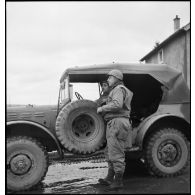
(12, 124)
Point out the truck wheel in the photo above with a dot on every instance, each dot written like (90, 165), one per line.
(167, 153)
(27, 163)
(79, 128)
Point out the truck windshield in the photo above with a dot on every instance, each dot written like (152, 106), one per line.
(90, 91)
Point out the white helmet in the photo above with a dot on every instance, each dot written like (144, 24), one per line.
(116, 73)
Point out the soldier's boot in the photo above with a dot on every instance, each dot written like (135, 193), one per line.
(109, 178)
(118, 181)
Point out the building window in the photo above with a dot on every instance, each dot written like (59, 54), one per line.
(160, 56)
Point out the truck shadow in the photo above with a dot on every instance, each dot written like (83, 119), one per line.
(137, 180)
(135, 168)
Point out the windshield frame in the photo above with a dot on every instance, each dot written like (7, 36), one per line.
(64, 87)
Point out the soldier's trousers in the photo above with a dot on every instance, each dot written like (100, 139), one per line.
(116, 135)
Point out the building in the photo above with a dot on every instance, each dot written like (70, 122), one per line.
(174, 51)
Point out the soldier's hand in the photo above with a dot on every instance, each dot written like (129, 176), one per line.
(99, 110)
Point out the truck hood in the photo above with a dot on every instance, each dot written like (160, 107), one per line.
(45, 115)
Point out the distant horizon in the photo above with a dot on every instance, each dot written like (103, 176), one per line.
(11, 105)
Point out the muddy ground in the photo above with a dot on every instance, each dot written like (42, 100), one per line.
(82, 178)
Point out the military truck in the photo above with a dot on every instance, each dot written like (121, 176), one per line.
(160, 118)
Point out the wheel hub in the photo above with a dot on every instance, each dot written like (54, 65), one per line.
(83, 127)
(20, 164)
(169, 153)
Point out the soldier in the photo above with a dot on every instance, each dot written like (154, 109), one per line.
(116, 114)
(104, 94)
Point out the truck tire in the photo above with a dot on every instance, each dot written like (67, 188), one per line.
(27, 163)
(79, 128)
(167, 153)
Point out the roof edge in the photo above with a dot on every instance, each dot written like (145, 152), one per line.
(183, 29)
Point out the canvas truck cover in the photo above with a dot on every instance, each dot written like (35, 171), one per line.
(171, 78)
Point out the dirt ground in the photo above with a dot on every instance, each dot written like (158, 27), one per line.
(82, 178)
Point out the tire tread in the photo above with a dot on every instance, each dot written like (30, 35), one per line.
(42, 148)
(59, 131)
(153, 170)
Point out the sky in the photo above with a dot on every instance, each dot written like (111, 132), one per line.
(45, 38)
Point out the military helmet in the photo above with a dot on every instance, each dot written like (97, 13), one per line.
(116, 73)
